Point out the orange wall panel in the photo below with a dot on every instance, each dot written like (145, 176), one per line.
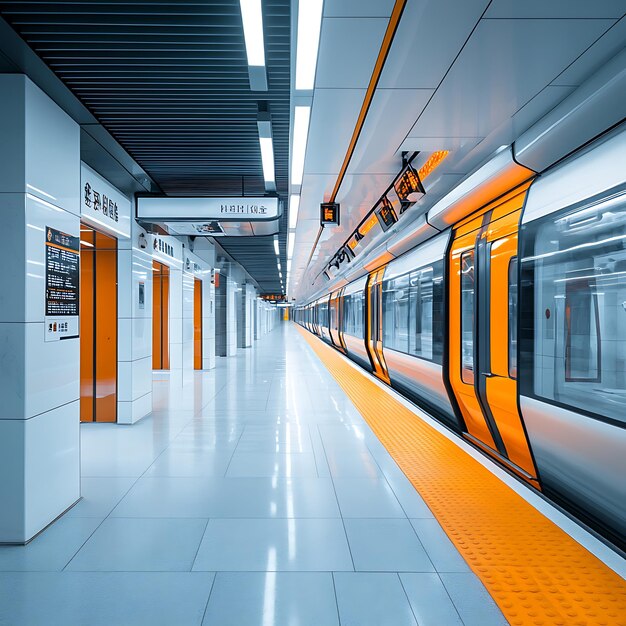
(197, 324)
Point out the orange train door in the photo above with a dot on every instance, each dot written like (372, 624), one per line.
(483, 331)
(98, 326)
(374, 323)
(197, 324)
(335, 310)
(160, 316)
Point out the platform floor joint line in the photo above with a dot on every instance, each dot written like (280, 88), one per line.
(536, 573)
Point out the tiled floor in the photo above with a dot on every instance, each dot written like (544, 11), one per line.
(254, 495)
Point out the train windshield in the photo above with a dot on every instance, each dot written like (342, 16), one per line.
(573, 303)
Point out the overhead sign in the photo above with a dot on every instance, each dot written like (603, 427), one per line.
(329, 213)
(408, 185)
(62, 285)
(151, 208)
(103, 206)
(167, 250)
(386, 214)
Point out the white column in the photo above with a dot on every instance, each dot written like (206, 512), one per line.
(231, 317)
(187, 325)
(176, 323)
(208, 321)
(39, 386)
(134, 368)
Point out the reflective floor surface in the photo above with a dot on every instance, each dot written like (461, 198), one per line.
(255, 494)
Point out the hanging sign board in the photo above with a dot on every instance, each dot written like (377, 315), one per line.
(62, 285)
(151, 208)
(102, 205)
(386, 214)
(329, 213)
(408, 186)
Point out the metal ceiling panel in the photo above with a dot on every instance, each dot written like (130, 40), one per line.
(428, 39)
(358, 8)
(348, 51)
(331, 128)
(169, 80)
(555, 9)
(391, 116)
(494, 78)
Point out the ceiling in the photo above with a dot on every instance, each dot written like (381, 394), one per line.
(169, 80)
(467, 77)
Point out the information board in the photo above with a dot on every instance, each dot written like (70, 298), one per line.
(329, 213)
(62, 285)
(386, 215)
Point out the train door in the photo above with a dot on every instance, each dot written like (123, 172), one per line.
(98, 326)
(374, 324)
(160, 316)
(335, 322)
(483, 331)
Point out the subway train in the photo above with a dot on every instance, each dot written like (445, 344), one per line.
(508, 325)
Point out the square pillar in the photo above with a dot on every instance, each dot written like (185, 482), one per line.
(40, 385)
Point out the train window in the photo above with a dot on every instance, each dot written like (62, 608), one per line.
(396, 313)
(513, 317)
(582, 330)
(573, 297)
(354, 314)
(413, 313)
(467, 317)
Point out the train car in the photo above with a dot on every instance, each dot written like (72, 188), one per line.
(510, 328)
(572, 351)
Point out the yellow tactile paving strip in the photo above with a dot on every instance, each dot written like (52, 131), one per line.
(535, 572)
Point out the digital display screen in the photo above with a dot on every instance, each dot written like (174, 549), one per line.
(329, 213)
(408, 183)
(62, 273)
(386, 214)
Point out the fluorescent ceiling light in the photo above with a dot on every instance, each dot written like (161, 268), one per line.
(294, 205)
(276, 248)
(288, 267)
(267, 155)
(291, 240)
(309, 24)
(300, 134)
(252, 18)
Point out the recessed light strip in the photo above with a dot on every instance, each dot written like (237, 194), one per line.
(309, 26)
(301, 118)
(252, 17)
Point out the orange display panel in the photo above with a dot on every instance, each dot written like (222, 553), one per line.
(535, 571)
(197, 324)
(98, 327)
(433, 161)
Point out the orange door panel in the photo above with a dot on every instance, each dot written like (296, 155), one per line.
(483, 314)
(98, 327)
(462, 333)
(160, 316)
(106, 328)
(87, 253)
(333, 324)
(197, 324)
(501, 384)
(156, 316)
(374, 324)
